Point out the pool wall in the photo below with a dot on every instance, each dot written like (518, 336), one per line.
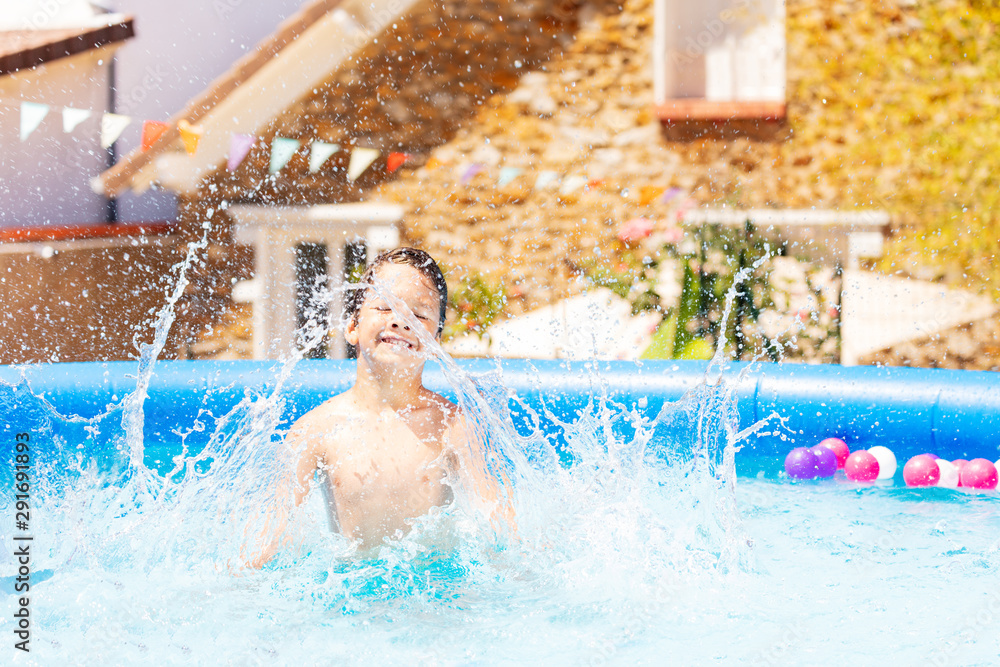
(952, 413)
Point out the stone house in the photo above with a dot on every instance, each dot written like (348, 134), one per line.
(467, 90)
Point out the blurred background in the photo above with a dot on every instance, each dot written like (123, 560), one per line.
(598, 179)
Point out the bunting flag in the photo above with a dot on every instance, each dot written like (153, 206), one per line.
(508, 175)
(319, 153)
(545, 178)
(282, 150)
(670, 194)
(571, 184)
(112, 126)
(239, 146)
(152, 130)
(190, 135)
(73, 117)
(361, 159)
(649, 193)
(32, 115)
(396, 160)
(469, 172)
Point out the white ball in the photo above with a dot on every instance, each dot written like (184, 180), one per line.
(949, 474)
(886, 461)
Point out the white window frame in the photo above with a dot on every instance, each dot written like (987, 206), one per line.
(719, 50)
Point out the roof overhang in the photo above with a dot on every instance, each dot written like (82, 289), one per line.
(287, 66)
(25, 49)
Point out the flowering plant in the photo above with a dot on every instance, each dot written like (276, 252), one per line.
(688, 275)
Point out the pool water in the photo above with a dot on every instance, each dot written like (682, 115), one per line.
(640, 541)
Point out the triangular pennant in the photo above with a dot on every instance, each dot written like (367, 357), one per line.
(152, 130)
(508, 174)
(239, 146)
(468, 173)
(190, 136)
(670, 194)
(361, 159)
(73, 117)
(319, 153)
(396, 160)
(32, 115)
(282, 150)
(571, 184)
(649, 193)
(112, 126)
(545, 179)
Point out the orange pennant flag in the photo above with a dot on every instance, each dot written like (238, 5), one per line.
(190, 135)
(396, 160)
(152, 130)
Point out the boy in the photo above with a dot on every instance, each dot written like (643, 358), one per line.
(388, 447)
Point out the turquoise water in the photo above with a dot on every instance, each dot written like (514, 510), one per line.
(637, 543)
(644, 550)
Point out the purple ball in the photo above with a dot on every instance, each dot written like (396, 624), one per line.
(826, 461)
(801, 463)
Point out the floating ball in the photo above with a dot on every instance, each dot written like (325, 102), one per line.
(949, 474)
(800, 463)
(921, 470)
(826, 461)
(979, 474)
(838, 447)
(959, 464)
(861, 467)
(886, 461)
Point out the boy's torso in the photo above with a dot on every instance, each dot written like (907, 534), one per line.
(382, 468)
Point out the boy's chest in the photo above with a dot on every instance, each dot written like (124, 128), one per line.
(386, 457)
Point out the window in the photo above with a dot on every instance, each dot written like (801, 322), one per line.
(722, 55)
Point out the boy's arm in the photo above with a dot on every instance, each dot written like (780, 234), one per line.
(493, 488)
(291, 490)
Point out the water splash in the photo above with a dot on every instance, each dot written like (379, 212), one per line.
(619, 517)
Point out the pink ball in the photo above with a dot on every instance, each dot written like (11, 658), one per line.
(921, 470)
(861, 466)
(979, 474)
(838, 447)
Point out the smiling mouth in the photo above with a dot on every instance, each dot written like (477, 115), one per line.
(396, 341)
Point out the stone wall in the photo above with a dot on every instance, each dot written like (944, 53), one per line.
(974, 346)
(564, 87)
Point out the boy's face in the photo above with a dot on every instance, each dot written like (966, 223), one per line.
(382, 335)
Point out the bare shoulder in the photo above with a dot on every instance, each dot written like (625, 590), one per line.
(442, 405)
(330, 418)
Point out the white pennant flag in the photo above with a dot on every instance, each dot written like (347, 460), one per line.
(282, 150)
(32, 115)
(361, 159)
(112, 126)
(73, 117)
(319, 153)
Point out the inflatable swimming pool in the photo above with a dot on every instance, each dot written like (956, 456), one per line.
(955, 413)
(631, 548)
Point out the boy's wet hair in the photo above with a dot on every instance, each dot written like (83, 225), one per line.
(419, 260)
